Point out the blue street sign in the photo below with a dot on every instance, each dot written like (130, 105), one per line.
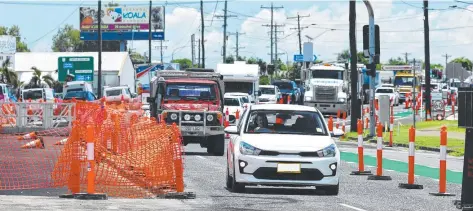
(67, 65)
(298, 58)
(315, 58)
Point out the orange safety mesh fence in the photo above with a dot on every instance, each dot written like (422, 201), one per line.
(135, 156)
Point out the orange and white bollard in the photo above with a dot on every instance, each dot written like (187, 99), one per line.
(343, 123)
(410, 172)
(391, 127)
(330, 124)
(237, 116)
(361, 163)
(443, 165)
(38, 143)
(379, 156)
(31, 135)
(367, 123)
(337, 124)
(227, 122)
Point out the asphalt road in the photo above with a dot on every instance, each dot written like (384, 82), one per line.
(205, 176)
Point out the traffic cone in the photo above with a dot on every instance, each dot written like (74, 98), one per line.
(31, 135)
(61, 142)
(38, 143)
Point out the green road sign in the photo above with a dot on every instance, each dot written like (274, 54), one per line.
(81, 66)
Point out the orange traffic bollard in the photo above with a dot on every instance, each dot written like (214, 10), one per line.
(367, 123)
(31, 135)
(379, 156)
(391, 127)
(226, 123)
(38, 143)
(361, 164)
(330, 124)
(237, 116)
(410, 173)
(443, 165)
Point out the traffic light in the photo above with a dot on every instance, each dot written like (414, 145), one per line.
(366, 41)
(270, 68)
(371, 69)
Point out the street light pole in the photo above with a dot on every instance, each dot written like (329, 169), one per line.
(371, 61)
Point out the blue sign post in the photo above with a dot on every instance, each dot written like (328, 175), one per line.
(298, 58)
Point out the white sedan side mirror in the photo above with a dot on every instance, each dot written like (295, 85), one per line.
(231, 130)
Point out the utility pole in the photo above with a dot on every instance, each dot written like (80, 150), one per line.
(237, 47)
(276, 41)
(202, 31)
(427, 58)
(198, 59)
(272, 7)
(405, 56)
(414, 94)
(193, 49)
(149, 34)
(299, 29)
(446, 61)
(355, 100)
(225, 16)
(99, 73)
(161, 47)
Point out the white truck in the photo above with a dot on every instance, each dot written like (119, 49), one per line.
(241, 77)
(326, 88)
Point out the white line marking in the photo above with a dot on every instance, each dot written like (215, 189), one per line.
(200, 157)
(352, 207)
(351, 162)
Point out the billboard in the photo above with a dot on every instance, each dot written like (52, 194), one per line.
(122, 18)
(7, 44)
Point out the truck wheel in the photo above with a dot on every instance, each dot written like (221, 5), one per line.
(216, 145)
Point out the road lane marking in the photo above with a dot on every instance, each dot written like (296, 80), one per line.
(352, 207)
(200, 157)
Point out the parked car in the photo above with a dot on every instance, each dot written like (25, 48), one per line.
(270, 94)
(282, 145)
(391, 92)
(233, 104)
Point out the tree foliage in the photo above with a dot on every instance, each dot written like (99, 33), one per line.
(264, 80)
(466, 63)
(67, 39)
(15, 32)
(345, 56)
(396, 61)
(184, 63)
(137, 58)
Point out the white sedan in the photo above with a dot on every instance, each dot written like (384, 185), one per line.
(282, 145)
(391, 92)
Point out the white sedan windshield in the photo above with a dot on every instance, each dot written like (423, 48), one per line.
(285, 122)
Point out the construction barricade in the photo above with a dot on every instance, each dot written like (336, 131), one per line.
(112, 151)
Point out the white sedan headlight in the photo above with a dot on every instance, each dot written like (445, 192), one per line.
(247, 149)
(327, 151)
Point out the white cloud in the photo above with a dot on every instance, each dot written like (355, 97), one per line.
(402, 31)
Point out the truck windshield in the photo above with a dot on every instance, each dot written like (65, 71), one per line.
(243, 87)
(190, 91)
(403, 80)
(231, 102)
(267, 91)
(284, 85)
(115, 92)
(33, 94)
(384, 91)
(328, 74)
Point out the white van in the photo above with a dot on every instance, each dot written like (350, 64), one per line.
(37, 94)
(114, 94)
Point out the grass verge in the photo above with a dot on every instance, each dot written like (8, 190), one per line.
(456, 145)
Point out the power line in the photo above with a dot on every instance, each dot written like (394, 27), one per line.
(272, 7)
(405, 56)
(225, 16)
(215, 9)
(237, 48)
(92, 5)
(299, 29)
(59, 25)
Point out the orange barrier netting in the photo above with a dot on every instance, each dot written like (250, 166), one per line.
(134, 156)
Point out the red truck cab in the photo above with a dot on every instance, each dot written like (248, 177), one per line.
(194, 102)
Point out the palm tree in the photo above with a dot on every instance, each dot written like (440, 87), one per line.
(5, 72)
(37, 79)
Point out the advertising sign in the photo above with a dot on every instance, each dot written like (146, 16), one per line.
(7, 44)
(396, 67)
(82, 67)
(122, 18)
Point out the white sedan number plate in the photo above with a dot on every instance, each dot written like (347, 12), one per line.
(191, 128)
(289, 168)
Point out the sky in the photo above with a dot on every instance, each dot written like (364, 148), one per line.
(401, 26)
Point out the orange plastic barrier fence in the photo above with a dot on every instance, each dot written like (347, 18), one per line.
(133, 156)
